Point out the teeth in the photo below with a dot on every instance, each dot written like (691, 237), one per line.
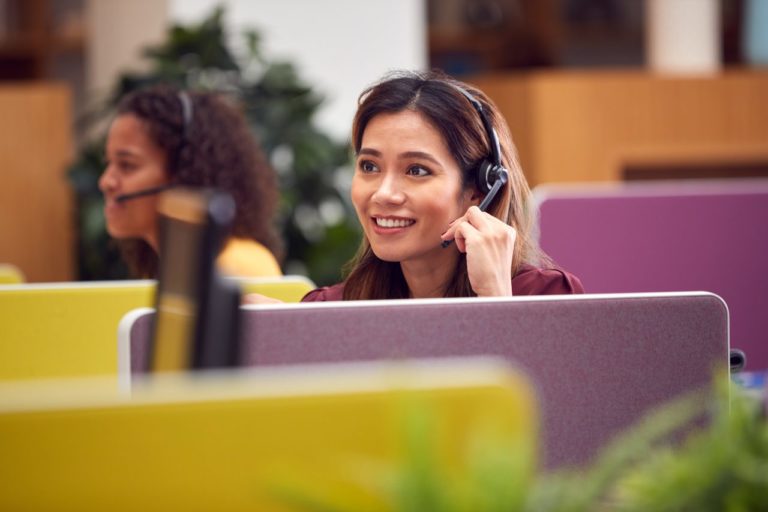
(393, 223)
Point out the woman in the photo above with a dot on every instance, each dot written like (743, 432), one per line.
(162, 137)
(424, 144)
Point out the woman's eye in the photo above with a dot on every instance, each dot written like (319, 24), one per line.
(367, 166)
(126, 166)
(417, 170)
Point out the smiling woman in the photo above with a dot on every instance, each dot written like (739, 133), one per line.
(163, 137)
(428, 151)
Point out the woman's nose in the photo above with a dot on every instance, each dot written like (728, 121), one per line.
(107, 180)
(389, 190)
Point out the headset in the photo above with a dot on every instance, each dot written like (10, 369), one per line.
(491, 174)
(187, 113)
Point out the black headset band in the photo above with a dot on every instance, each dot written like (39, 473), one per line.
(187, 111)
(493, 138)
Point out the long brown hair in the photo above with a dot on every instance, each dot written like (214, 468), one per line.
(213, 147)
(439, 99)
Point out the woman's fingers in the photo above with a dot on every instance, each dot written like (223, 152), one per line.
(489, 245)
(479, 218)
(472, 213)
(476, 218)
(448, 235)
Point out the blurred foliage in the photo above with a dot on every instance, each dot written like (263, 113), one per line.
(315, 219)
(669, 461)
(486, 471)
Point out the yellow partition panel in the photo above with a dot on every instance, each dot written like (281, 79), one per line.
(64, 330)
(253, 441)
(50, 330)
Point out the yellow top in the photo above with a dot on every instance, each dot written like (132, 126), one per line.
(10, 274)
(247, 258)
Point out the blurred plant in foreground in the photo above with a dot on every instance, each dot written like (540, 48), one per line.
(669, 461)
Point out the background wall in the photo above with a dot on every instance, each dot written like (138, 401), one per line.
(341, 46)
(118, 30)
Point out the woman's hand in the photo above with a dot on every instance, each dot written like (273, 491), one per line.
(489, 244)
(257, 298)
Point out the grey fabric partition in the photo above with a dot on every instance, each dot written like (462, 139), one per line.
(598, 362)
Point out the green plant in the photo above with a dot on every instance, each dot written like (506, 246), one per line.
(724, 467)
(491, 472)
(669, 461)
(315, 219)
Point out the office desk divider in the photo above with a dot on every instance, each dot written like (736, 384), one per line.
(231, 441)
(51, 330)
(668, 236)
(598, 361)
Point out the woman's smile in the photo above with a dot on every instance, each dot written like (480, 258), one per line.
(391, 225)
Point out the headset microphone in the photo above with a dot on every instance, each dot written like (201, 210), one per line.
(145, 192)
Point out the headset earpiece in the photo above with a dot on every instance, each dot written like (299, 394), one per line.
(487, 175)
(493, 178)
(491, 174)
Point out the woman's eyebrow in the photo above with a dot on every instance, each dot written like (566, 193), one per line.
(369, 151)
(126, 153)
(405, 155)
(419, 154)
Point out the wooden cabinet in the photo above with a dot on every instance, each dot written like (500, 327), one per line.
(40, 41)
(613, 125)
(36, 212)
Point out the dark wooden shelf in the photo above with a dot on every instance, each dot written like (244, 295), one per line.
(35, 40)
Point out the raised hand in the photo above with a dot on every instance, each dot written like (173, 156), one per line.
(489, 244)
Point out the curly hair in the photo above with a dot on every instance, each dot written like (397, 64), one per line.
(213, 147)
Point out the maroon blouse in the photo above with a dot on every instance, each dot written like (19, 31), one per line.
(529, 280)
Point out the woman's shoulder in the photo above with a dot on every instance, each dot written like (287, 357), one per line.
(531, 280)
(247, 258)
(325, 294)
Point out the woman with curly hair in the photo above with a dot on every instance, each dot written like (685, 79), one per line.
(163, 137)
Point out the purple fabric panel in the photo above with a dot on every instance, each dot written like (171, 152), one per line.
(141, 334)
(670, 238)
(597, 364)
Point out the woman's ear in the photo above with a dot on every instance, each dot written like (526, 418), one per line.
(472, 196)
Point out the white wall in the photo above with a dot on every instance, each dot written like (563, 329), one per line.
(339, 46)
(118, 31)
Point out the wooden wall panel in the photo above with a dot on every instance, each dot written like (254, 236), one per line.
(36, 202)
(590, 125)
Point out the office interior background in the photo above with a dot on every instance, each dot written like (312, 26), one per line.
(600, 96)
(594, 90)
